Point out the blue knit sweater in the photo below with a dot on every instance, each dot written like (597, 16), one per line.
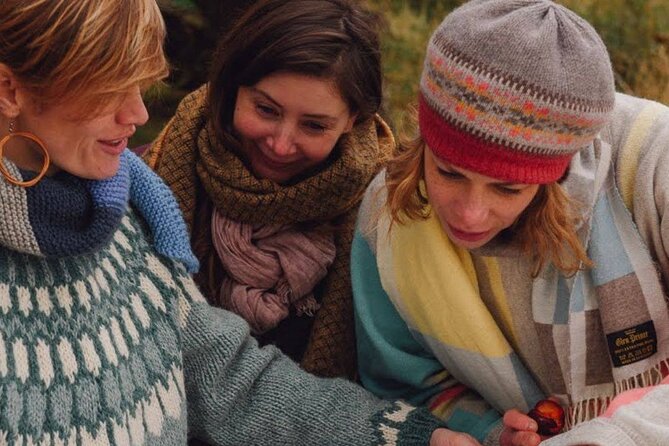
(115, 345)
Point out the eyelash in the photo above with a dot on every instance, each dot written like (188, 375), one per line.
(449, 175)
(456, 176)
(266, 110)
(507, 191)
(314, 126)
(311, 126)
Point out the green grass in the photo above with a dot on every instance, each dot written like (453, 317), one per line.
(636, 33)
(405, 37)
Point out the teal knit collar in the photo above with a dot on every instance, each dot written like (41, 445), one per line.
(66, 216)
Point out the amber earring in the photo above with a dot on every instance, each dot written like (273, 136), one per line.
(13, 134)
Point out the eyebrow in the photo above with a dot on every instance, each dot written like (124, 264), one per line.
(504, 183)
(327, 118)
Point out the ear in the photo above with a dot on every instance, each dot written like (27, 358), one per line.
(350, 122)
(9, 103)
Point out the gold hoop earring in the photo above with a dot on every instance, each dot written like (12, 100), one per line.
(3, 170)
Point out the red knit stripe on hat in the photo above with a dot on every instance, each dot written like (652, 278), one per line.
(469, 152)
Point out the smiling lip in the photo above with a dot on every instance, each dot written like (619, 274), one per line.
(273, 164)
(114, 146)
(468, 236)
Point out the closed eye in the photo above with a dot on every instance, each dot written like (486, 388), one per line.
(266, 110)
(449, 174)
(507, 190)
(315, 126)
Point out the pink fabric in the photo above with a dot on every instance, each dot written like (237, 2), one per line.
(629, 397)
(269, 268)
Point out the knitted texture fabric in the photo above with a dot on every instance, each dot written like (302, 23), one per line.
(512, 90)
(271, 269)
(191, 160)
(547, 345)
(54, 221)
(116, 346)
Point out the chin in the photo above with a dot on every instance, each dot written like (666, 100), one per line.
(102, 172)
(267, 174)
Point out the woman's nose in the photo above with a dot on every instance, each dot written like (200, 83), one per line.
(132, 110)
(473, 211)
(283, 140)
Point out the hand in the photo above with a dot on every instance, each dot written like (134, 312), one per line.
(519, 430)
(445, 437)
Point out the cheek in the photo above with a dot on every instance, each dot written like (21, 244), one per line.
(247, 124)
(440, 196)
(508, 211)
(242, 125)
(318, 149)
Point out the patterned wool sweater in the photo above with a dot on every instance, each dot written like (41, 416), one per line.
(117, 346)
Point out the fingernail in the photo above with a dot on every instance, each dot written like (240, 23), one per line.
(532, 426)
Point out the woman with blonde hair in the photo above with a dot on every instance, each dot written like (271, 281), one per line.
(508, 254)
(104, 337)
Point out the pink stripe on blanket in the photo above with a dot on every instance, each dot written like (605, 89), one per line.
(447, 395)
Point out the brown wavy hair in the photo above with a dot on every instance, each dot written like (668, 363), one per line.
(86, 51)
(546, 228)
(332, 39)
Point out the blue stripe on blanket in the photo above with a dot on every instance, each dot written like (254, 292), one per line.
(605, 245)
(508, 369)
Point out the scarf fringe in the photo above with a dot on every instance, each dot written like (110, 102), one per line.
(586, 410)
(307, 306)
(593, 407)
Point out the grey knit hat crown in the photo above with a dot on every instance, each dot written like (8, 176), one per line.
(513, 88)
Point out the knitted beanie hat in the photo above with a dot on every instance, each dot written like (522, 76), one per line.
(512, 89)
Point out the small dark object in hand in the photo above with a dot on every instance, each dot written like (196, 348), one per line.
(549, 416)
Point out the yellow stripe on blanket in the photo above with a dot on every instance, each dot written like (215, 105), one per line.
(433, 285)
(629, 159)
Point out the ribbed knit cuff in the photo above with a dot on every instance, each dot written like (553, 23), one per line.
(402, 424)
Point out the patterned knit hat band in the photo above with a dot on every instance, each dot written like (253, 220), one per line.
(469, 152)
(502, 89)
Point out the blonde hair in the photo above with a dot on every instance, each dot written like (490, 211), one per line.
(88, 51)
(546, 228)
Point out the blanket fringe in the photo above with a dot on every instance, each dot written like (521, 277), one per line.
(593, 407)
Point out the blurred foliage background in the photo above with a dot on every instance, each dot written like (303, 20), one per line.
(636, 33)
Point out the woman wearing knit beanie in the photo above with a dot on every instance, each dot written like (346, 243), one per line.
(508, 254)
(104, 337)
(269, 162)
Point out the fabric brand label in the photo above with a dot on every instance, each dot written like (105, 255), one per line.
(632, 344)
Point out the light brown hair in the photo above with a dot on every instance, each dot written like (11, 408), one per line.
(88, 51)
(546, 228)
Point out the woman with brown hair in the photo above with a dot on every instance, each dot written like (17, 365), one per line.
(269, 161)
(508, 253)
(104, 336)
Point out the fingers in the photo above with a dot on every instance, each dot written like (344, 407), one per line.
(519, 438)
(445, 437)
(516, 420)
(519, 430)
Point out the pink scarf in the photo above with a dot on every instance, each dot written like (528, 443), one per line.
(269, 268)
